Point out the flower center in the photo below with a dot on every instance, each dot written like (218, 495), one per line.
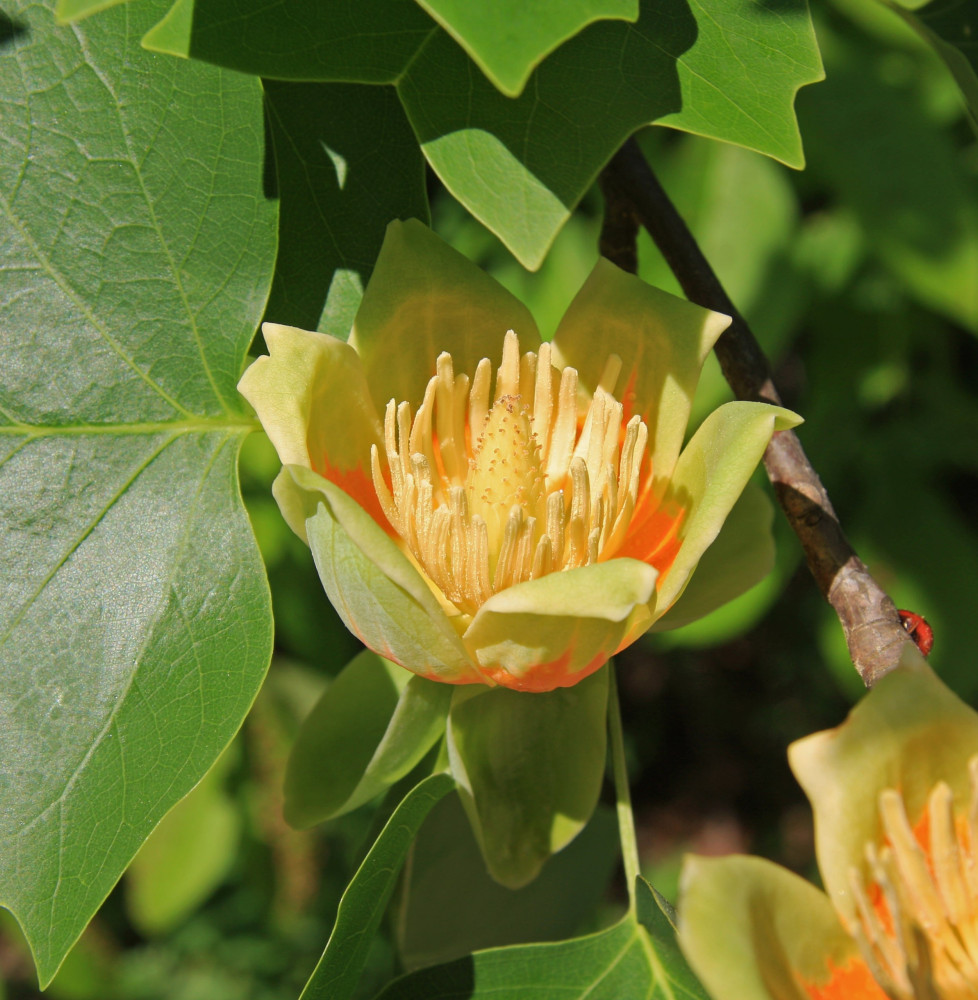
(918, 919)
(489, 494)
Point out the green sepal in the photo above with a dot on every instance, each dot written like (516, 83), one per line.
(752, 930)
(529, 769)
(372, 725)
(365, 899)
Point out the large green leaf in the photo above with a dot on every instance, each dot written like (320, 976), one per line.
(365, 899)
(346, 164)
(508, 38)
(187, 856)
(134, 617)
(721, 69)
(350, 41)
(636, 958)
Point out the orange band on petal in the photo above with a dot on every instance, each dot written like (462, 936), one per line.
(358, 485)
(545, 676)
(849, 982)
(653, 536)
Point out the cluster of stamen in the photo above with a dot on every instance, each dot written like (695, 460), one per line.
(918, 922)
(490, 494)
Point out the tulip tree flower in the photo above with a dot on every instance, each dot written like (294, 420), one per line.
(895, 795)
(503, 514)
(485, 508)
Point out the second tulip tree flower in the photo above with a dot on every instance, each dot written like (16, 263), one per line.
(493, 509)
(895, 795)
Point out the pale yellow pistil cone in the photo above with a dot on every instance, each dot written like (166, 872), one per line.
(918, 918)
(487, 495)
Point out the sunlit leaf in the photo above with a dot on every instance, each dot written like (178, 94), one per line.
(507, 39)
(729, 71)
(134, 616)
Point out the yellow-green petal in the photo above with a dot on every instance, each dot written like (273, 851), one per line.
(424, 298)
(710, 475)
(529, 769)
(662, 341)
(553, 631)
(908, 733)
(381, 598)
(741, 556)
(753, 931)
(307, 387)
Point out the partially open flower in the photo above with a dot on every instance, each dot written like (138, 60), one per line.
(521, 510)
(895, 795)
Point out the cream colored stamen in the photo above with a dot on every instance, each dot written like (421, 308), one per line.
(487, 495)
(920, 940)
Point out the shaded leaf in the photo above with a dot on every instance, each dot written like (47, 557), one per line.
(729, 71)
(365, 899)
(621, 962)
(132, 591)
(507, 39)
(347, 41)
(450, 906)
(346, 164)
(920, 213)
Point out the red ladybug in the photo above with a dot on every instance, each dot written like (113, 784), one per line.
(918, 630)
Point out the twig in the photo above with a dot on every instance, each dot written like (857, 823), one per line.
(869, 617)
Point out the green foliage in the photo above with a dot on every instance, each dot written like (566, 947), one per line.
(136, 624)
(508, 39)
(365, 899)
(155, 209)
(449, 905)
(637, 957)
(372, 725)
(540, 152)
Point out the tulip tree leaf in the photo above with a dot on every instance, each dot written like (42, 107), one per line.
(75, 10)
(365, 899)
(348, 41)
(725, 70)
(658, 918)
(369, 729)
(951, 28)
(508, 38)
(187, 856)
(134, 617)
(346, 164)
(622, 961)
(449, 906)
